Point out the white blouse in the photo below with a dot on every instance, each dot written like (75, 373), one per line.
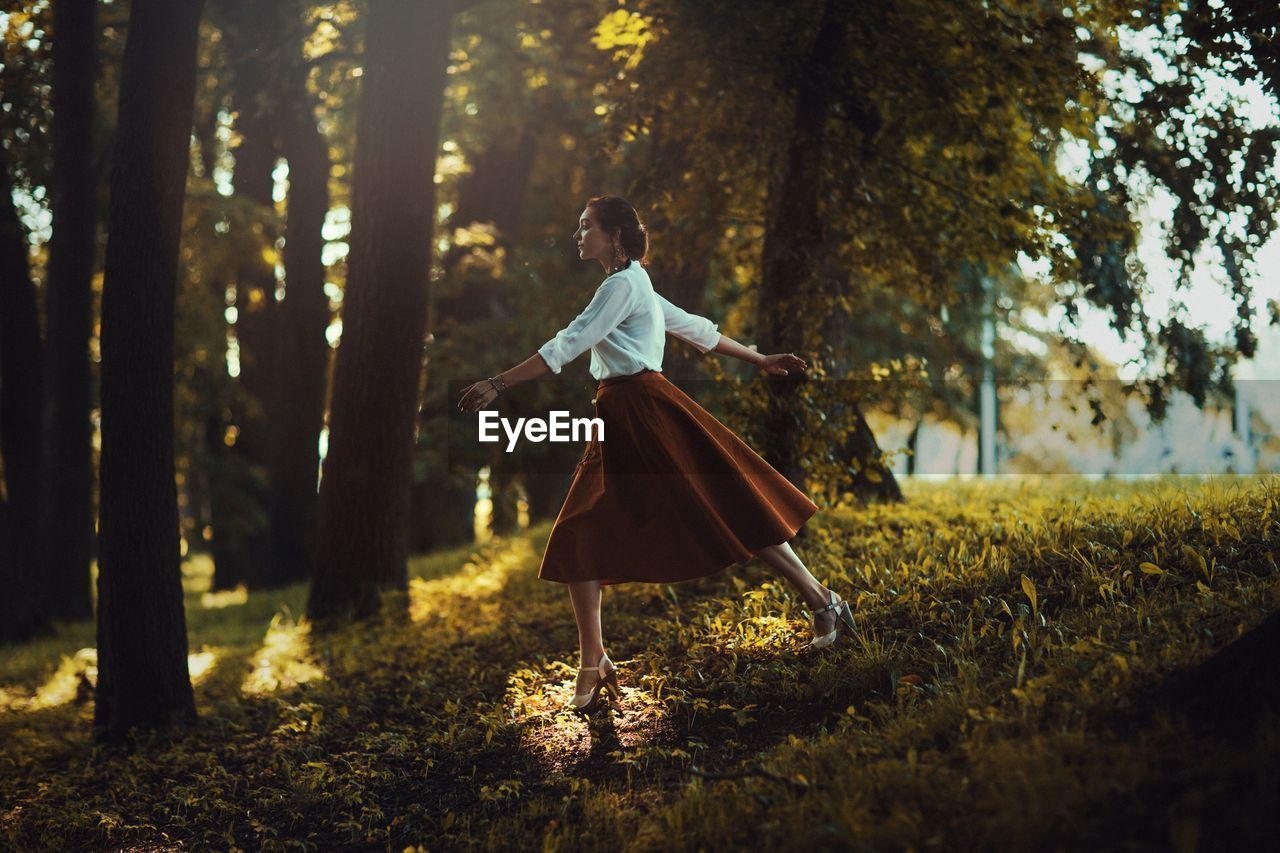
(625, 327)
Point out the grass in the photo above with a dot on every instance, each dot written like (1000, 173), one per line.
(997, 695)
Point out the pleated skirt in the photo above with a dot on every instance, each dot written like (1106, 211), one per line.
(670, 494)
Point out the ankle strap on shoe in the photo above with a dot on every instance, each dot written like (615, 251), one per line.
(832, 606)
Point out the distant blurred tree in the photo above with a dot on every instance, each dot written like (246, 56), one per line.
(520, 159)
(277, 410)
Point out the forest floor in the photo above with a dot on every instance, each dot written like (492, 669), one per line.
(1001, 693)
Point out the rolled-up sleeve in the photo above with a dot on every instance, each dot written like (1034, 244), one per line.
(606, 310)
(698, 331)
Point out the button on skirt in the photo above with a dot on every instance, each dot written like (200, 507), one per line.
(670, 494)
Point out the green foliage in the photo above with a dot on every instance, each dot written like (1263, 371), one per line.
(1005, 632)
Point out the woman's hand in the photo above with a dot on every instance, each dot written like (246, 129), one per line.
(476, 396)
(781, 364)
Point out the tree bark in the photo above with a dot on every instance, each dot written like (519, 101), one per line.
(142, 641)
(364, 493)
(252, 33)
(302, 359)
(795, 272)
(66, 533)
(793, 241)
(1232, 689)
(22, 606)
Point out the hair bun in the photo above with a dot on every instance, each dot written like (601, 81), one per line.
(616, 215)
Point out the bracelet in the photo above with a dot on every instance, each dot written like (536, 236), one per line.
(497, 384)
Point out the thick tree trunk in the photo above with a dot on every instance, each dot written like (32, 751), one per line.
(302, 359)
(142, 640)
(793, 242)
(22, 605)
(66, 533)
(364, 494)
(795, 253)
(1233, 688)
(871, 480)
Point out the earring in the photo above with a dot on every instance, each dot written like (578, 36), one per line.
(619, 257)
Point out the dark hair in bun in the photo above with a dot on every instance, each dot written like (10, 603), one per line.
(616, 214)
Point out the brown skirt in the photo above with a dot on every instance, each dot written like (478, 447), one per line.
(670, 494)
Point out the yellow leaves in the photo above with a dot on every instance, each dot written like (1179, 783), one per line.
(621, 28)
(1150, 569)
(1193, 558)
(1029, 588)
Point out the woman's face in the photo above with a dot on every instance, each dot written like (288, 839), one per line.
(593, 243)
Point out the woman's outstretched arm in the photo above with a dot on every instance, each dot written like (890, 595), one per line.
(480, 394)
(778, 365)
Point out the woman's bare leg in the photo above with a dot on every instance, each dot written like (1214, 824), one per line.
(585, 596)
(784, 561)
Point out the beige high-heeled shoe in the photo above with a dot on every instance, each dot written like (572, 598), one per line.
(844, 621)
(587, 701)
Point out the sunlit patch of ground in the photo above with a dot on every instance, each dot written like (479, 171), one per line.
(480, 577)
(77, 676)
(285, 659)
(225, 598)
(606, 742)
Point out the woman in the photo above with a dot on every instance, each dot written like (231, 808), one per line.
(670, 493)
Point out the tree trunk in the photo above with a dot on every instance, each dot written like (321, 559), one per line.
(66, 532)
(364, 494)
(251, 34)
(504, 497)
(22, 606)
(913, 449)
(302, 359)
(793, 242)
(1233, 688)
(225, 474)
(796, 272)
(871, 480)
(142, 640)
